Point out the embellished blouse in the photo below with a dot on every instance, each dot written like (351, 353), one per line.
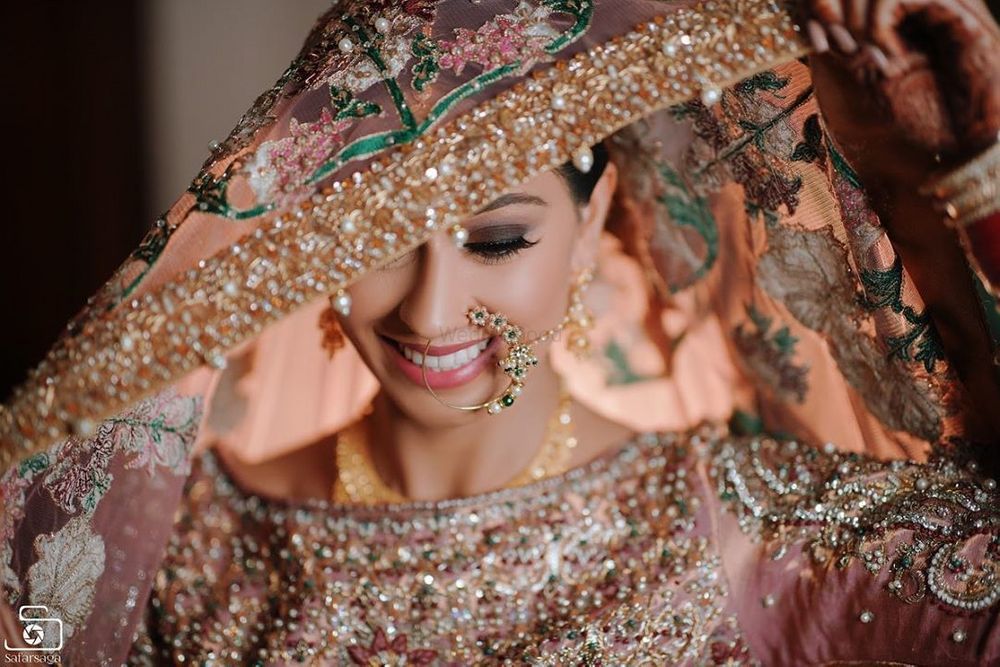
(698, 548)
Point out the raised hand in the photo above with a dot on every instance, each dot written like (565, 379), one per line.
(906, 86)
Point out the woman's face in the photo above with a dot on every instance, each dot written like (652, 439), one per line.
(522, 254)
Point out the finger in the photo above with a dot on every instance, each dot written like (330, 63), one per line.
(884, 27)
(842, 38)
(960, 21)
(879, 60)
(827, 12)
(817, 35)
(956, 21)
(856, 18)
(979, 9)
(864, 65)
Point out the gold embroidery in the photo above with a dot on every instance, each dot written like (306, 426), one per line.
(607, 564)
(65, 575)
(119, 357)
(932, 525)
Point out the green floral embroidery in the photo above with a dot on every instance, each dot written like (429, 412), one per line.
(378, 63)
(842, 168)
(426, 69)
(368, 146)
(771, 355)
(347, 106)
(33, 465)
(687, 209)
(211, 195)
(744, 144)
(991, 310)
(581, 10)
(148, 252)
(811, 149)
(807, 272)
(621, 370)
(155, 434)
(767, 81)
(884, 289)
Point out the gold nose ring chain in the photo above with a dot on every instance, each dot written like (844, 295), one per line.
(521, 355)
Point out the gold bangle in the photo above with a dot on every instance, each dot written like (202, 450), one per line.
(970, 192)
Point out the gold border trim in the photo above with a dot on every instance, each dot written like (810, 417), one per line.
(150, 342)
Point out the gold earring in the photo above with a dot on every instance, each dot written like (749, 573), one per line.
(333, 334)
(579, 318)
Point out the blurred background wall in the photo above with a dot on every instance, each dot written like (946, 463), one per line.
(109, 108)
(206, 61)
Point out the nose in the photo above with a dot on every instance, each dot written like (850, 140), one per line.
(439, 297)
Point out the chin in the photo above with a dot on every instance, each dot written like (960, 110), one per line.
(422, 408)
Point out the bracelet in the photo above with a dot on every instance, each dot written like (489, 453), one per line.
(970, 192)
(981, 242)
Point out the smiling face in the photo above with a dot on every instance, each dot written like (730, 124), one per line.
(523, 252)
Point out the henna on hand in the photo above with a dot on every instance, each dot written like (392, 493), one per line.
(934, 65)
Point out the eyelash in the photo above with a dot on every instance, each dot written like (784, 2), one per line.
(490, 252)
(495, 252)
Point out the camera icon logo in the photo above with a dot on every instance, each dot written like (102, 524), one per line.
(38, 629)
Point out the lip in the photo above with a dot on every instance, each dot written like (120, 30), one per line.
(454, 377)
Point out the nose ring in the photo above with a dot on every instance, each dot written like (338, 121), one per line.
(519, 360)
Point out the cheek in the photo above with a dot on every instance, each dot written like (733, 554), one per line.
(531, 290)
(373, 297)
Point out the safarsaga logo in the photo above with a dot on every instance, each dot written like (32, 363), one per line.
(42, 634)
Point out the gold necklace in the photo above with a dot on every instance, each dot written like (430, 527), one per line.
(358, 481)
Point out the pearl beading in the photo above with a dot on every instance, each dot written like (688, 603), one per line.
(328, 242)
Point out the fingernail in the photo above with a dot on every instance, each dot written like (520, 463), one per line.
(843, 38)
(818, 36)
(879, 59)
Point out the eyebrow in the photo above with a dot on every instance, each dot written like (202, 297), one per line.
(511, 199)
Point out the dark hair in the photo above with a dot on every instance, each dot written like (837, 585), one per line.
(581, 185)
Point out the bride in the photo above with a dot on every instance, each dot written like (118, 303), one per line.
(546, 332)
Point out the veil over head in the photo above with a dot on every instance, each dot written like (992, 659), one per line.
(744, 275)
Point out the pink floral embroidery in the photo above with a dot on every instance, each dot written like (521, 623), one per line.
(80, 477)
(730, 653)
(158, 432)
(384, 652)
(355, 70)
(282, 167)
(520, 36)
(12, 488)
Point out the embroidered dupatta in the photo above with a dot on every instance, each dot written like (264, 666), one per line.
(739, 232)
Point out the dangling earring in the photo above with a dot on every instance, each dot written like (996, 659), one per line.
(579, 318)
(329, 324)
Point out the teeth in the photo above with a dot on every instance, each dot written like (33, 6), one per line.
(446, 362)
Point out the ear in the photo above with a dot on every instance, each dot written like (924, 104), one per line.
(593, 217)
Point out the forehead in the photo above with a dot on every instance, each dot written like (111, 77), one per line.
(548, 189)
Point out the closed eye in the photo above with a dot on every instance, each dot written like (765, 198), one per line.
(495, 252)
